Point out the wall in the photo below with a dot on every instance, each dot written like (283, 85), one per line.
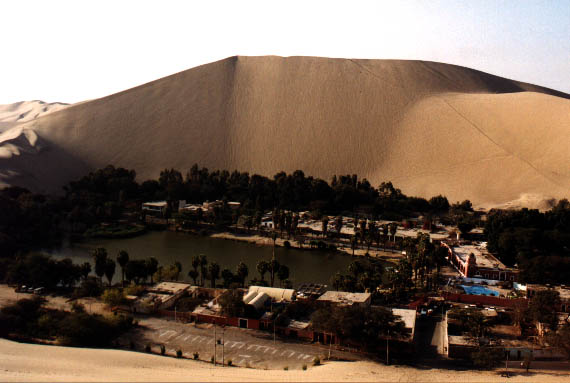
(484, 300)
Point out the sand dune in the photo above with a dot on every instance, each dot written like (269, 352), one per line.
(12, 114)
(429, 127)
(36, 363)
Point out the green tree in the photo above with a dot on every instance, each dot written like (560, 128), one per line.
(110, 270)
(232, 304)
(100, 257)
(273, 269)
(262, 268)
(544, 306)
(214, 273)
(194, 275)
(242, 272)
(123, 259)
(228, 277)
(203, 264)
(151, 267)
(283, 273)
(178, 266)
(488, 357)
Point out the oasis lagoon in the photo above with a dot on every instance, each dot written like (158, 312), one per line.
(306, 266)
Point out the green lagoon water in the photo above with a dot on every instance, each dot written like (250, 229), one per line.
(168, 247)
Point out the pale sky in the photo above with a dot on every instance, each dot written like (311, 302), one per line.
(75, 50)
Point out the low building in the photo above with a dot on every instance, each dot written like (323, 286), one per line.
(475, 261)
(409, 318)
(161, 296)
(155, 208)
(343, 298)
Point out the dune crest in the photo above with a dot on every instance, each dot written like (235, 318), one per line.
(430, 128)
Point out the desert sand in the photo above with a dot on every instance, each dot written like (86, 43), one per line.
(428, 127)
(24, 111)
(33, 363)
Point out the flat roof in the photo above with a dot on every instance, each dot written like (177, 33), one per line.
(344, 297)
(157, 204)
(482, 256)
(408, 317)
(169, 287)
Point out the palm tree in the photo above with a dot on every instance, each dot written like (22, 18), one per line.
(282, 274)
(109, 270)
(123, 259)
(178, 266)
(353, 243)
(85, 270)
(228, 277)
(262, 268)
(100, 256)
(203, 264)
(325, 225)
(214, 273)
(195, 262)
(273, 268)
(151, 268)
(337, 281)
(242, 272)
(194, 275)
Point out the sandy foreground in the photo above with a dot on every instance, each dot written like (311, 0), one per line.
(29, 362)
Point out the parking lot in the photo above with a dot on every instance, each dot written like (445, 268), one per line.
(246, 348)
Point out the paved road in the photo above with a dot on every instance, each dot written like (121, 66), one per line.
(244, 347)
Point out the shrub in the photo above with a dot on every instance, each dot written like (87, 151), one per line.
(132, 345)
(162, 349)
(134, 289)
(196, 355)
(304, 367)
(230, 362)
(147, 348)
(286, 368)
(287, 244)
(113, 297)
(179, 353)
(316, 361)
(212, 359)
(77, 307)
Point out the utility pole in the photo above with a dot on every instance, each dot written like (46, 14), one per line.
(388, 348)
(330, 345)
(223, 343)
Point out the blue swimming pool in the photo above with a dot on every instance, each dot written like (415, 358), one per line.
(479, 290)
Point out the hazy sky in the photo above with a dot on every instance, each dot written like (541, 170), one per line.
(76, 50)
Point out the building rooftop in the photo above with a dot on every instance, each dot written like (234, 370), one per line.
(482, 257)
(408, 317)
(171, 288)
(155, 204)
(344, 297)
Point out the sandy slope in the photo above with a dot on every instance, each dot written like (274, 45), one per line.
(32, 363)
(24, 111)
(429, 127)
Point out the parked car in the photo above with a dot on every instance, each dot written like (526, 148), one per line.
(39, 291)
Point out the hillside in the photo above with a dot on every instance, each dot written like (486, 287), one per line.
(430, 128)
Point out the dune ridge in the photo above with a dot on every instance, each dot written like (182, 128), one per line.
(429, 127)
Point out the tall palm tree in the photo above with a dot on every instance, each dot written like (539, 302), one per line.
(194, 275)
(273, 268)
(242, 272)
(282, 274)
(100, 257)
(203, 264)
(123, 259)
(228, 277)
(109, 270)
(178, 267)
(262, 268)
(213, 273)
(151, 265)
